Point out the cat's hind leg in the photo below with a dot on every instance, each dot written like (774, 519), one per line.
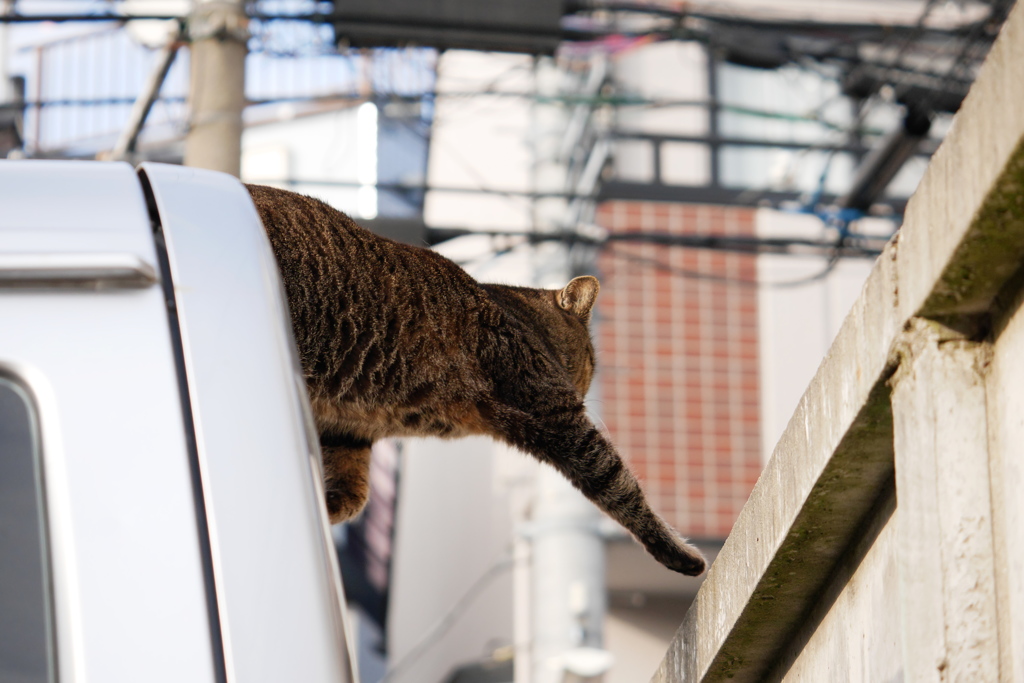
(346, 461)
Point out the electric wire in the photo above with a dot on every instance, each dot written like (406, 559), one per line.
(392, 96)
(998, 10)
(909, 38)
(834, 255)
(725, 279)
(903, 48)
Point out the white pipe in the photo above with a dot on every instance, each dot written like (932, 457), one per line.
(567, 583)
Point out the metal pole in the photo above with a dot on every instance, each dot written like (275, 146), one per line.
(144, 103)
(882, 165)
(218, 33)
(12, 102)
(38, 132)
(6, 92)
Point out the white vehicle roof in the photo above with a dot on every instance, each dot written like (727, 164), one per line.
(186, 535)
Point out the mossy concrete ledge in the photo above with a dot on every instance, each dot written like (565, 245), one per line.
(962, 242)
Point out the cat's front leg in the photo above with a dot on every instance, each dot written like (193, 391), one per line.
(346, 461)
(569, 441)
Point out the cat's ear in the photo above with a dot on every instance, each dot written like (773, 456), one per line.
(579, 296)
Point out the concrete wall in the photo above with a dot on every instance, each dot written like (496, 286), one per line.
(484, 142)
(1005, 403)
(853, 632)
(452, 548)
(335, 146)
(883, 541)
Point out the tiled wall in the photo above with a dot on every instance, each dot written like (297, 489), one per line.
(679, 362)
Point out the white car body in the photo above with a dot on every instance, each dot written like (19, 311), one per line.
(178, 480)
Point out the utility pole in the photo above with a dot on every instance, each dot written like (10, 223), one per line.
(567, 585)
(218, 31)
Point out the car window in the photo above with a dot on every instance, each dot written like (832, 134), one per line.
(26, 642)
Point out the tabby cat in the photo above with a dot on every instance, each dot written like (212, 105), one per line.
(397, 340)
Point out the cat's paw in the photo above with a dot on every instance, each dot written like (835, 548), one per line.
(342, 505)
(688, 561)
(681, 557)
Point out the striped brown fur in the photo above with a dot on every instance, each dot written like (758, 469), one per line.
(397, 340)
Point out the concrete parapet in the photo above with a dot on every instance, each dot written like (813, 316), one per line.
(926, 360)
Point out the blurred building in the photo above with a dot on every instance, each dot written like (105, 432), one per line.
(680, 362)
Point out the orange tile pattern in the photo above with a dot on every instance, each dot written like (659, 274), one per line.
(679, 363)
